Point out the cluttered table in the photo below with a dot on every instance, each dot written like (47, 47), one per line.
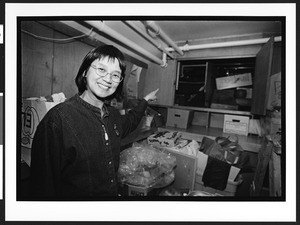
(251, 143)
(187, 175)
(137, 135)
(190, 162)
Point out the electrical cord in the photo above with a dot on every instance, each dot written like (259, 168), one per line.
(62, 40)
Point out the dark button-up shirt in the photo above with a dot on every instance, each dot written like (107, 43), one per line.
(75, 151)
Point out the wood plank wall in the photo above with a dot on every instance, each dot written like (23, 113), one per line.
(67, 60)
(36, 61)
(162, 78)
(51, 67)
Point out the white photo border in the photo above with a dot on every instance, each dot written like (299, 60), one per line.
(146, 210)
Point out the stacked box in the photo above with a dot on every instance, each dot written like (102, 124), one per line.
(179, 118)
(236, 124)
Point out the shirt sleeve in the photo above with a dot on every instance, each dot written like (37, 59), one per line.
(45, 160)
(131, 120)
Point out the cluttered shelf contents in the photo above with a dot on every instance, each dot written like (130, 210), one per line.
(196, 172)
(190, 165)
(251, 143)
(214, 122)
(208, 113)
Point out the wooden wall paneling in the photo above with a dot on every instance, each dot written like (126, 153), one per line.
(263, 66)
(276, 63)
(164, 79)
(264, 157)
(127, 73)
(67, 60)
(142, 84)
(210, 83)
(275, 175)
(36, 60)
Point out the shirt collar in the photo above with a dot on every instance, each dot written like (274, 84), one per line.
(92, 107)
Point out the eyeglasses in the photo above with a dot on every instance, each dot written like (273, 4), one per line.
(116, 77)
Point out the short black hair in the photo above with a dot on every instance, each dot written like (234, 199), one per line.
(98, 53)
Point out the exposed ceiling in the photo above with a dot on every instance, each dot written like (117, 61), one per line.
(197, 30)
(180, 32)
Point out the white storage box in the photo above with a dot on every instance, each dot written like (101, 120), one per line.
(179, 118)
(236, 124)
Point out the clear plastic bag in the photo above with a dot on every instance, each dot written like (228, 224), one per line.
(145, 166)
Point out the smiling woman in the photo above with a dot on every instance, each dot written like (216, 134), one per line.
(76, 147)
(98, 84)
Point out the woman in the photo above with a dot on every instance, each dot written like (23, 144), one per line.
(76, 147)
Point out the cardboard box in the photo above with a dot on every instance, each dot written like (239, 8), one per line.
(230, 189)
(190, 169)
(33, 111)
(185, 170)
(236, 124)
(179, 118)
(231, 186)
(138, 191)
(234, 81)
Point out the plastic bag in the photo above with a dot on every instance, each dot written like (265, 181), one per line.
(222, 148)
(189, 147)
(144, 166)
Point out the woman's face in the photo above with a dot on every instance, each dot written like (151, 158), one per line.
(102, 86)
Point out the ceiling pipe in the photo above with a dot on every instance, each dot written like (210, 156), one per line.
(187, 47)
(112, 33)
(140, 32)
(158, 31)
(98, 37)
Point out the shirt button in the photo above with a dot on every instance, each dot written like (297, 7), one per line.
(109, 162)
(106, 143)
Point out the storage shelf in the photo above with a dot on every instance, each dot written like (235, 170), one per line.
(210, 110)
(202, 109)
(191, 82)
